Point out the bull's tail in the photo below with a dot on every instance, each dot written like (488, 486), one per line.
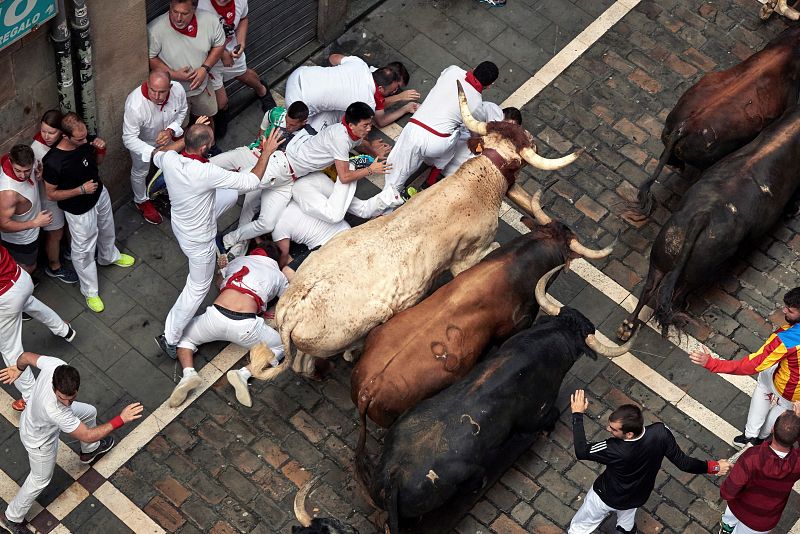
(285, 331)
(645, 197)
(664, 305)
(394, 509)
(363, 469)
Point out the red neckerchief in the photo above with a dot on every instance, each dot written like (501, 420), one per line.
(198, 157)
(380, 100)
(235, 283)
(228, 13)
(146, 93)
(190, 29)
(38, 137)
(353, 136)
(9, 170)
(473, 81)
(258, 251)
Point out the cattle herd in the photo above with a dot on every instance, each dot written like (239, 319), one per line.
(458, 375)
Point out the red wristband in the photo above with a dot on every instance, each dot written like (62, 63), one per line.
(117, 422)
(100, 150)
(713, 467)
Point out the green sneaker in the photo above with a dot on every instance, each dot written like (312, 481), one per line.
(95, 304)
(125, 260)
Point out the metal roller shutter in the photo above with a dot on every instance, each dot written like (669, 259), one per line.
(277, 29)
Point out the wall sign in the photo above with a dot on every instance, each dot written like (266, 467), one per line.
(20, 17)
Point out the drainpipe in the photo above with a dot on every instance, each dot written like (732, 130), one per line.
(83, 42)
(61, 42)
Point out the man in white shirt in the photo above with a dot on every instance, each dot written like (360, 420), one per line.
(296, 225)
(154, 114)
(248, 284)
(309, 153)
(188, 44)
(432, 134)
(199, 193)
(51, 411)
(329, 90)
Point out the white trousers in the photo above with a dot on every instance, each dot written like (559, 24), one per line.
(202, 262)
(594, 510)
(325, 200)
(765, 406)
(461, 155)
(43, 462)
(413, 147)
(738, 527)
(213, 326)
(19, 298)
(139, 171)
(93, 231)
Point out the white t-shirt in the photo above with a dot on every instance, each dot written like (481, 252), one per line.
(296, 225)
(44, 418)
(236, 11)
(440, 110)
(263, 277)
(144, 119)
(335, 88)
(178, 50)
(192, 186)
(309, 153)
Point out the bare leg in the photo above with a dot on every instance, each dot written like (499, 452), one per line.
(250, 79)
(52, 243)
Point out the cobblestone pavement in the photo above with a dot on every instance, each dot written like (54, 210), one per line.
(219, 467)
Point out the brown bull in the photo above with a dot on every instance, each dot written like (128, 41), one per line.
(426, 348)
(726, 110)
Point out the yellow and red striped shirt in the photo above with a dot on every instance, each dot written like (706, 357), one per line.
(780, 348)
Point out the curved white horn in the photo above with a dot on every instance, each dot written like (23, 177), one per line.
(547, 305)
(521, 198)
(536, 208)
(610, 351)
(535, 160)
(470, 122)
(300, 510)
(590, 253)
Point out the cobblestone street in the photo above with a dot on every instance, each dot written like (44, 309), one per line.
(217, 466)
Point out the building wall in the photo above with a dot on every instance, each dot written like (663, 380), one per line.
(119, 46)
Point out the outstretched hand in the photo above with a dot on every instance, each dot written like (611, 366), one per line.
(9, 374)
(699, 357)
(578, 402)
(131, 412)
(270, 143)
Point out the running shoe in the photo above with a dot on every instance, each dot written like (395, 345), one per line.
(149, 212)
(167, 348)
(188, 383)
(63, 274)
(125, 260)
(105, 445)
(70, 335)
(18, 405)
(239, 384)
(362, 161)
(95, 304)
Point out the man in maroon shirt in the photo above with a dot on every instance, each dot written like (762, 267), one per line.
(760, 482)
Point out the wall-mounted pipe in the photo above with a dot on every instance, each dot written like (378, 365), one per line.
(60, 35)
(83, 47)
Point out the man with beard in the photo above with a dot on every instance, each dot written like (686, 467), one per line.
(776, 363)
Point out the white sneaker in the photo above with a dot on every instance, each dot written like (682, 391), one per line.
(183, 389)
(238, 249)
(239, 384)
(228, 241)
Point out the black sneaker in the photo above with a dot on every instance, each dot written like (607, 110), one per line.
(12, 527)
(741, 441)
(70, 335)
(167, 348)
(267, 102)
(65, 274)
(105, 445)
(26, 317)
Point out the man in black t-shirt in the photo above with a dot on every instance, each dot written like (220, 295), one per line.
(632, 457)
(72, 179)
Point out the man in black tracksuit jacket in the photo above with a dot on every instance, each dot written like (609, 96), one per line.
(632, 458)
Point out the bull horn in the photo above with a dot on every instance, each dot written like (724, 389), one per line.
(300, 510)
(590, 253)
(610, 351)
(521, 198)
(535, 160)
(473, 124)
(547, 305)
(536, 209)
(788, 12)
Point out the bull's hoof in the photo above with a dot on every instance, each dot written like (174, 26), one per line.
(625, 330)
(322, 368)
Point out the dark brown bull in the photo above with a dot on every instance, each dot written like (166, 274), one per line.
(726, 110)
(426, 348)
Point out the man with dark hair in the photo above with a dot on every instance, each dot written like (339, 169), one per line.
(248, 284)
(468, 142)
(16, 298)
(632, 457)
(432, 134)
(52, 410)
(761, 481)
(199, 192)
(21, 213)
(73, 179)
(776, 363)
(310, 153)
(288, 120)
(329, 90)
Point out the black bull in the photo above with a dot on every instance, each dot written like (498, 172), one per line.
(730, 208)
(447, 444)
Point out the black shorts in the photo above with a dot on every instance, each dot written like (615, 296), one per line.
(23, 254)
(299, 253)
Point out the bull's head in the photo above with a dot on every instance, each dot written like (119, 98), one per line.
(315, 525)
(551, 308)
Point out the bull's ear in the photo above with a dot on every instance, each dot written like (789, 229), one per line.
(527, 221)
(590, 353)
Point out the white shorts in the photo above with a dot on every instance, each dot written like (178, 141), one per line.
(221, 74)
(738, 527)
(52, 207)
